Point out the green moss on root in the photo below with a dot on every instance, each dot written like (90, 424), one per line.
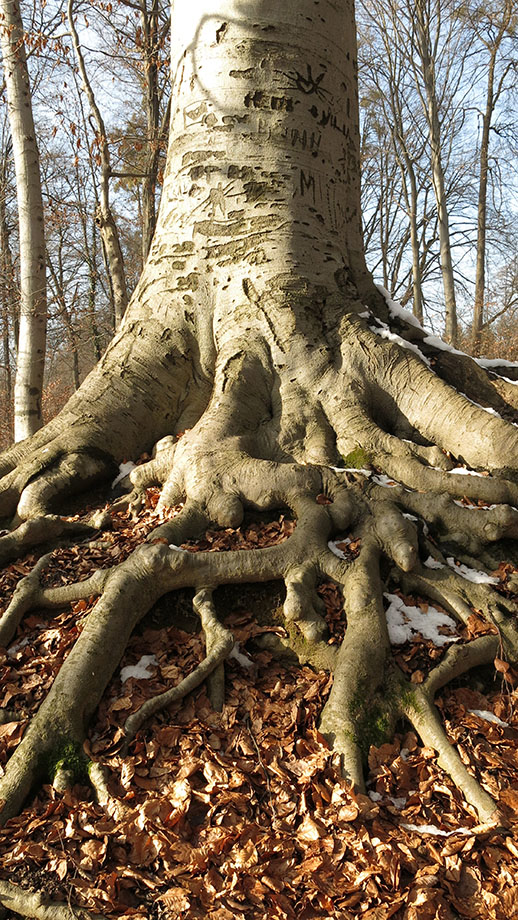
(374, 721)
(358, 459)
(70, 757)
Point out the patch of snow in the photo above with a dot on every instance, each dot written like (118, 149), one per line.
(124, 469)
(478, 578)
(334, 548)
(365, 315)
(462, 471)
(396, 802)
(381, 480)
(491, 411)
(139, 670)
(507, 379)
(438, 343)
(351, 469)
(385, 333)
(397, 310)
(435, 831)
(432, 563)
(488, 716)
(495, 362)
(410, 517)
(241, 659)
(404, 622)
(474, 507)
(177, 548)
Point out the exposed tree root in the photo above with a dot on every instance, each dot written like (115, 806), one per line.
(47, 529)
(249, 450)
(459, 659)
(423, 715)
(265, 372)
(29, 595)
(35, 904)
(219, 643)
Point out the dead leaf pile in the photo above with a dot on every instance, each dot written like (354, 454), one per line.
(243, 814)
(335, 617)
(251, 536)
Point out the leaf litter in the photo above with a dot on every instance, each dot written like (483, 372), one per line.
(244, 813)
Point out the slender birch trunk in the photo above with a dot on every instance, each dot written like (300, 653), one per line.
(92, 290)
(492, 95)
(149, 22)
(431, 109)
(33, 301)
(104, 215)
(417, 287)
(480, 272)
(8, 294)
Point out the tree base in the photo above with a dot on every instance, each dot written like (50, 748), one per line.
(363, 443)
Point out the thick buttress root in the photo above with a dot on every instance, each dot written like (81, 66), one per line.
(250, 451)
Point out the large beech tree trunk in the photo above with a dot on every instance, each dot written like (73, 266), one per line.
(256, 330)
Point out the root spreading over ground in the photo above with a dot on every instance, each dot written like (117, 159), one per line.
(406, 512)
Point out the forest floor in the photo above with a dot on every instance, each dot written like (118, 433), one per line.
(243, 814)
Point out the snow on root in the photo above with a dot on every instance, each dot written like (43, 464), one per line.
(124, 470)
(405, 622)
(478, 578)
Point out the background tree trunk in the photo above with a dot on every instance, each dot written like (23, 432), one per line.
(9, 295)
(493, 93)
(33, 303)
(104, 215)
(430, 104)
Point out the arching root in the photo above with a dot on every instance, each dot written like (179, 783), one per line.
(39, 531)
(458, 659)
(29, 595)
(360, 668)
(419, 709)
(460, 597)
(36, 905)
(219, 643)
(33, 489)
